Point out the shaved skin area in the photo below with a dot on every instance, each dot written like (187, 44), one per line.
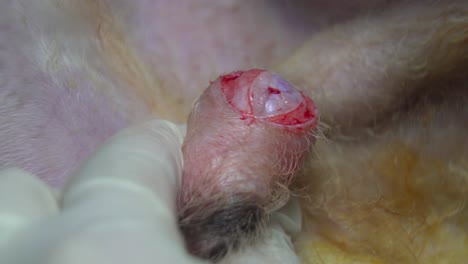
(357, 109)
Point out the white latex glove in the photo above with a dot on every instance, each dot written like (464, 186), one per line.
(119, 208)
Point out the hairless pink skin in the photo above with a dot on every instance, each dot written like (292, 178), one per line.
(247, 135)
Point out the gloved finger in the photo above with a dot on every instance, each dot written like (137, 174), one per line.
(275, 247)
(146, 158)
(24, 200)
(122, 201)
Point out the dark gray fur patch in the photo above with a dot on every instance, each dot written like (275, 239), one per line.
(211, 235)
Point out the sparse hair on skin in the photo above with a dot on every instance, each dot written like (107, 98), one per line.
(385, 182)
(236, 173)
(387, 178)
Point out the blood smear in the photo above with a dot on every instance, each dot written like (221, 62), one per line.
(262, 95)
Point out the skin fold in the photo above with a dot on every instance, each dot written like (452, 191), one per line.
(387, 178)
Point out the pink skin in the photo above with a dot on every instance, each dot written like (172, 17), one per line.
(247, 135)
(49, 130)
(385, 181)
(222, 136)
(53, 112)
(59, 100)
